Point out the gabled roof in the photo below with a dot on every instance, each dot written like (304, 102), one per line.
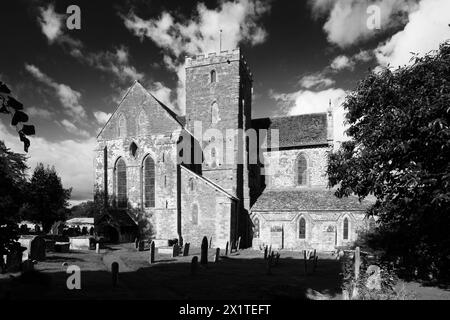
(209, 182)
(307, 200)
(179, 119)
(295, 131)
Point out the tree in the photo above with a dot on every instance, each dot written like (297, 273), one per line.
(399, 152)
(12, 185)
(9, 105)
(47, 200)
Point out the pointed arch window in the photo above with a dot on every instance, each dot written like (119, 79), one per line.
(213, 76)
(122, 129)
(121, 183)
(194, 214)
(256, 228)
(302, 228)
(346, 229)
(302, 170)
(148, 176)
(214, 112)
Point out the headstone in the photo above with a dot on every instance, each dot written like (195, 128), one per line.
(136, 243)
(97, 247)
(204, 251)
(194, 265)
(152, 252)
(141, 245)
(175, 251)
(270, 250)
(305, 261)
(266, 252)
(226, 249)
(186, 249)
(115, 273)
(210, 242)
(357, 262)
(238, 244)
(374, 279)
(216, 257)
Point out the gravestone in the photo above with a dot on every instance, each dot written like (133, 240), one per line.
(216, 257)
(175, 251)
(357, 262)
(141, 246)
(374, 280)
(37, 249)
(266, 252)
(97, 247)
(194, 265)
(186, 249)
(210, 242)
(226, 249)
(204, 251)
(115, 273)
(136, 243)
(238, 244)
(152, 252)
(270, 250)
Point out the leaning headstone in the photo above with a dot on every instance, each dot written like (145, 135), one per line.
(210, 242)
(194, 265)
(204, 251)
(266, 252)
(216, 257)
(152, 252)
(186, 249)
(115, 273)
(175, 251)
(226, 249)
(238, 244)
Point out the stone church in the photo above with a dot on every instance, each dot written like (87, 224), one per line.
(161, 174)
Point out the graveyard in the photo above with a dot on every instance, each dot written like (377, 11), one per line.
(243, 274)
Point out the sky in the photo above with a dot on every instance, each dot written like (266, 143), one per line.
(303, 55)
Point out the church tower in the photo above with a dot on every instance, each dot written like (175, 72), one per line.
(219, 96)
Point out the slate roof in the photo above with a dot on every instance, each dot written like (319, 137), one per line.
(307, 200)
(294, 131)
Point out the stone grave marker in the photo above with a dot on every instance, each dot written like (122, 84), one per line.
(176, 251)
(238, 244)
(204, 251)
(194, 265)
(226, 249)
(115, 273)
(152, 252)
(186, 249)
(217, 256)
(266, 252)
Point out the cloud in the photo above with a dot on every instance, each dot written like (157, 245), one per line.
(50, 22)
(69, 98)
(102, 117)
(39, 112)
(427, 27)
(70, 127)
(346, 20)
(72, 159)
(342, 62)
(178, 37)
(317, 81)
(307, 101)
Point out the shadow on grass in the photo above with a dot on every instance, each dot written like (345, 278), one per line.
(233, 278)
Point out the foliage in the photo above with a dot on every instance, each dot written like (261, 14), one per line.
(399, 152)
(12, 184)
(9, 105)
(47, 200)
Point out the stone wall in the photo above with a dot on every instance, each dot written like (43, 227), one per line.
(324, 231)
(284, 165)
(215, 211)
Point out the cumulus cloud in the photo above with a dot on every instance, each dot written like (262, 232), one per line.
(317, 81)
(307, 101)
(427, 27)
(238, 20)
(343, 62)
(39, 112)
(50, 23)
(72, 159)
(102, 117)
(72, 128)
(346, 20)
(69, 98)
